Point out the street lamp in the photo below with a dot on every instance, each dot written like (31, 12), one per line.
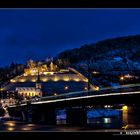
(122, 78)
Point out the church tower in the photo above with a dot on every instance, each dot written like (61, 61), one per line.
(38, 85)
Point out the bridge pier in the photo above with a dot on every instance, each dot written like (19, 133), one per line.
(44, 115)
(76, 116)
(18, 112)
(132, 115)
(24, 116)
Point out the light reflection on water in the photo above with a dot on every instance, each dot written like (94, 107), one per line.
(96, 120)
(10, 123)
(10, 129)
(107, 119)
(26, 129)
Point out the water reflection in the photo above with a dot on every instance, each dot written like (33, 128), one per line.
(125, 116)
(10, 129)
(30, 124)
(107, 120)
(61, 121)
(26, 128)
(10, 123)
(97, 119)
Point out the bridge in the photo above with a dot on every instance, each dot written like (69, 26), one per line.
(43, 109)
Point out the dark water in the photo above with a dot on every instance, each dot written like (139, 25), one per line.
(97, 120)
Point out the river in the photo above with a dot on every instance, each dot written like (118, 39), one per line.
(103, 120)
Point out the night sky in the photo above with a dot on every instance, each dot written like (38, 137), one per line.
(38, 33)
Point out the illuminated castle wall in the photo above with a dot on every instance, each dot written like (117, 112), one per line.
(53, 81)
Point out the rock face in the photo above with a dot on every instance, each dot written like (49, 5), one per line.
(118, 54)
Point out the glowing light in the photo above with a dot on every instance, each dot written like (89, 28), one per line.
(125, 108)
(125, 127)
(77, 80)
(12, 80)
(66, 87)
(22, 80)
(95, 72)
(26, 128)
(62, 70)
(107, 120)
(107, 106)
(44, 79)
(85, 97)
(1, 89)
(56, 79)
(24, 74)
(33, 80)
(33, 93)
(66, 79)
(96, 88)
(10, 128)
(85, 88)
(122, 78)
(10, 123)
(55, 94)
(51, 73)
(128, 76)
(46, 73)
(30, 125)
(86, 80)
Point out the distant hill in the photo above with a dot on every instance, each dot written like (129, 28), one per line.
(120, 53)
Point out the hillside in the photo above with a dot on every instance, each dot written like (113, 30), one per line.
(117, 54)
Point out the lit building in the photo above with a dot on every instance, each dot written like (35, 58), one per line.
(45, 80)
(28, 91)
(31, 91)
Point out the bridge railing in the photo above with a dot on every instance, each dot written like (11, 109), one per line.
(124, 88)
(64, 96)
(117, 89)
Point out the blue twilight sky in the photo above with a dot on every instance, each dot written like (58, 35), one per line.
(38, 33)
